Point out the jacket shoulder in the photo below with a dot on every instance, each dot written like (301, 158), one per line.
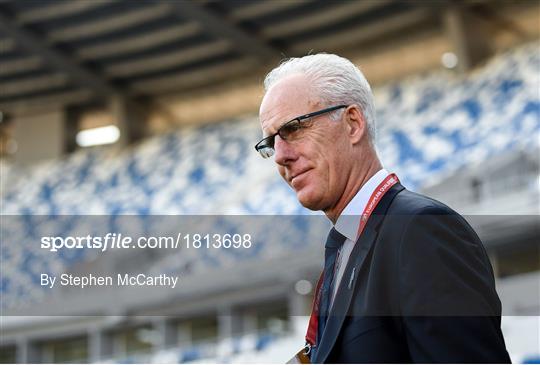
(411, 203)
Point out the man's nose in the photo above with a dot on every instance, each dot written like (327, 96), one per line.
(284, 151)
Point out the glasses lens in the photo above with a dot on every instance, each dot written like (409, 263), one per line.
(289, 129)
(292, 129)
(266, 152)
(266, 147)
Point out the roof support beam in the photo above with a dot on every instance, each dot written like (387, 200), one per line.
(6, 45)
(58, 10)
(169, 59)
(19, 65)
(50, 101)
(190, 79)
(220, 28)
(109, 24)
(25, 85)
(250, 10)
(335, 14)
(362, 33)
(57, 60)
(134, 43)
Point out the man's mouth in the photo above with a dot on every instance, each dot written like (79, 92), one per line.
(298, 176)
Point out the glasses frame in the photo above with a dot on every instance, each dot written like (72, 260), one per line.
(261, 144)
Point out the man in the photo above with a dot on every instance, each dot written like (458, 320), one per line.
(405, 279)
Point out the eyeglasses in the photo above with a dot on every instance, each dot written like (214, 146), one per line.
(290, 130)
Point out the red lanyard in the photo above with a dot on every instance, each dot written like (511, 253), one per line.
(375, 198)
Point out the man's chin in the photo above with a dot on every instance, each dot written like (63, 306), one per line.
(308, 200)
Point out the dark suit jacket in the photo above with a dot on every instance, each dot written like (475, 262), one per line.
(418, 287)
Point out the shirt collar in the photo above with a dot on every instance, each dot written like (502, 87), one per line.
(348, 221)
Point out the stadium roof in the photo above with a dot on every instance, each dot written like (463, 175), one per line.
(73, 52)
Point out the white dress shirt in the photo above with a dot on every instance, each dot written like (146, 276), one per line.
(348, 222)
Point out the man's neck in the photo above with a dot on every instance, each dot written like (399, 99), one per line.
(354, 183)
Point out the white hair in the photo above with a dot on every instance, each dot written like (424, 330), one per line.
(335, 79)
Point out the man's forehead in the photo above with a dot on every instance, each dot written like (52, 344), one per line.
(291, 86)
(287, 98)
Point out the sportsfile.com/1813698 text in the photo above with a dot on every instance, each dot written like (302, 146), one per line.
(119, 240)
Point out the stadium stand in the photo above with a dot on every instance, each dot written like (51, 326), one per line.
(430, 125)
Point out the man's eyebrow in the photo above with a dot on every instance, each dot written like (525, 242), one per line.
(274, 130)
(282, 123)
(269, 127)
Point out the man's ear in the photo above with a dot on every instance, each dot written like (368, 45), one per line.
(356, 122)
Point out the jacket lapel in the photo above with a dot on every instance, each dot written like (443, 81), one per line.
(345, 291)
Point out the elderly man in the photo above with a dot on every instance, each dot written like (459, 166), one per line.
(405, 278)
